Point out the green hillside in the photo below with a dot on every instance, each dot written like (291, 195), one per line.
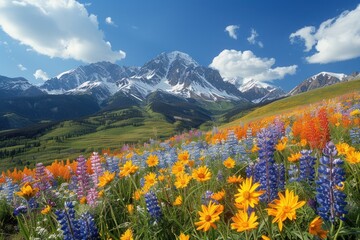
(69, 139)
(290, 103)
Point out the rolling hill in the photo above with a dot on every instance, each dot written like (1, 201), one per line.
(289, 103)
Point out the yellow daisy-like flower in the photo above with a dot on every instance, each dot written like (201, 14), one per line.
(229, 163)
(303, 142)
(177, 168)
(106, 178)
(161, 178)
(355, 112)
(182, 180)
(284, 207)
(191, 163)
(150, 179)
(255, 148)
(342, 148)
(101, 193)
(83, 200)
(294, 157)
(248, 196)
(315, 228)
(127, 235)
(263, 237)
(234, 179)
(208, 216)
(130, 208)
(129, 155)
(201, 174)
(46, 210)
(243, 222)
(218, 196)
(353, 157)
(27, 191)
(137, 194)
(184, 157)
(280, 146)
(128, 169)
(182, 236)
(178, 201)
(152, 161)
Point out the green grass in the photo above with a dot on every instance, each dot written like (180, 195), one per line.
(290, 103)
(70, 139)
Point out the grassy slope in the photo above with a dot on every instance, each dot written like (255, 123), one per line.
(56, 143)
(302, 99)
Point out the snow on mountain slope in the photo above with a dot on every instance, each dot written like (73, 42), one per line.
(177, 73)
(257, 92)
(318, 80)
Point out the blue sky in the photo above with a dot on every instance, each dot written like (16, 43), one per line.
(282, 42)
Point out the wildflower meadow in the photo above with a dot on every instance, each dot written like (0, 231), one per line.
(290, 176)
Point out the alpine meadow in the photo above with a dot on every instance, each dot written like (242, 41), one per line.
(183, 120)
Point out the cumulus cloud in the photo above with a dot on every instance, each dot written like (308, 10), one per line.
(61, 28)
(40, 74)
(241, 67)
(336, 39)
(21, 67)
(109, 21)
(305, 33)
(252, 38)
(231, 29)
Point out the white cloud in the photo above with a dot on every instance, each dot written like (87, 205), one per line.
(231, 29)
(21, 67)
(40, 74)
(252, 38)
(57, 28)
(109, 21)
(306, 33)
(336, 39)
(245, 66)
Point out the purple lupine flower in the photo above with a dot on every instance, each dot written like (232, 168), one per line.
(42, 178)
(206, 198)
(220, 176)
(9, 189)
(293, 172)
(251, 171)
(152, 206)
(88, 227)
(231, 144)
(26, 179)
(278, 129)
(112, 164)
(307, 166)
(355, 135)
(266, 166)
(331, 175)
(68, 223)
(20, 210)
(82, 176)
(280, 175)
(96, 167)
(92, 196)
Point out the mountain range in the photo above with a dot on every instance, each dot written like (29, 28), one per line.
(170, 80)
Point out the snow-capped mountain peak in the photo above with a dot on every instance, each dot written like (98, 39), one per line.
(340, 76)
(318, 80)
(255, 84)
(257, 91)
